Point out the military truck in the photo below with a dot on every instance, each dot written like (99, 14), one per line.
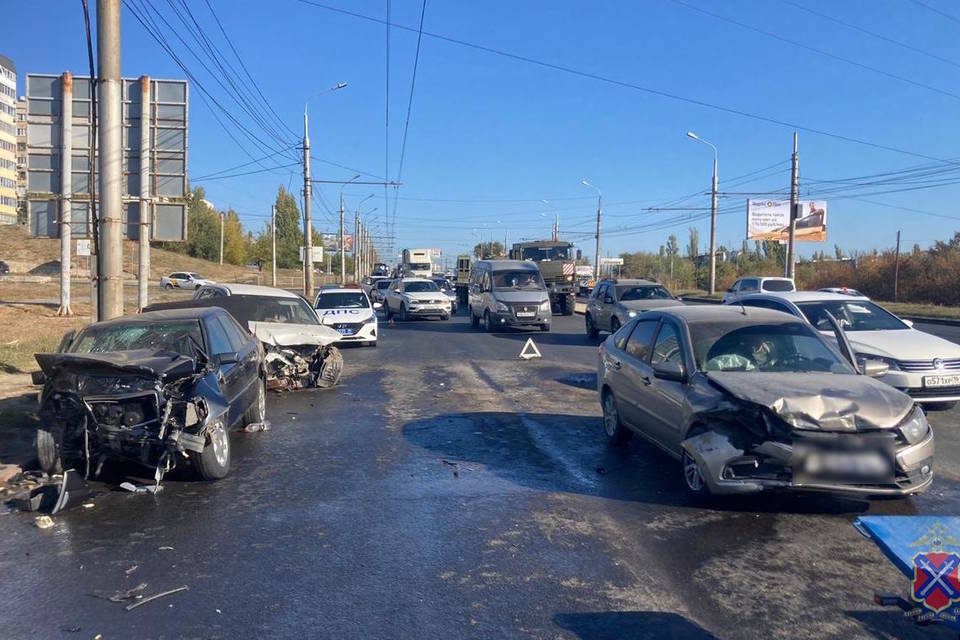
(555, 258)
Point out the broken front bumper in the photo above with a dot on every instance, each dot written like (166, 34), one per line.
(773, 465)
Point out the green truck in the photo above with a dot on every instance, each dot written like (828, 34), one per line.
(557, 264)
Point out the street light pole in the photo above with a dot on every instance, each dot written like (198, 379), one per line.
(596, 259)
(343, 252)
(711, 283)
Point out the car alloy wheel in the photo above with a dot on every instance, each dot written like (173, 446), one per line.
(261, 401)
(610, 418)
(221, 448)
(692, 475)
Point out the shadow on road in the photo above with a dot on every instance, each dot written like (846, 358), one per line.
(18, 429)
(555, 452)
(636, 625)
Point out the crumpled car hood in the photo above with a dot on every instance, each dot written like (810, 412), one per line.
(821, 401)
(288, 335)
(161, 364)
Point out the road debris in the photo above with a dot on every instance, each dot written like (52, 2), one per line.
(88, 505)
(136, 604)
(164, 548)
(256, 427)
(43, 522)
(132, 569)
(73, 491)
(121, 596)
(141, 488)
(70, 629)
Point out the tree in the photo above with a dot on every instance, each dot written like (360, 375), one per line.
(289, 234)
(234, 241)
(693, 248)
(488, 249)
(203, 227)
(773, 250)
(837, 252)
(673, 247)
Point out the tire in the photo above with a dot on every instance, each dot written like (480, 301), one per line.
(592, 332)
(614, 325)
(545, 327)
(617, 434)
(257, 411)
(48, 452)
(487, 325)
(167, 285)
(474, 320)
(214, 462)
(692, 477)
(331, 369)
(372, 343)
(568, 304)
(445, 317)
(939, 406)
(403, 312)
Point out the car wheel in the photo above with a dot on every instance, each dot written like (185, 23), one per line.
(569, 304)
(403, 312)
(617, 434)
(592, 332)
(48, 453)
(214, 462)
(372, 343)
(693, 477)
(487, 324)
(474, 320)
(614, 325)
(257, 412)
(168, 286)
(445, 317)
(545, 328)
(939, 406)
(330, 369)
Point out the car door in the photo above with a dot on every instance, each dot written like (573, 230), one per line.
(248, 357)
(597, 308)
(665, 398)
(731, 292)
(633, 375)
(230, 375)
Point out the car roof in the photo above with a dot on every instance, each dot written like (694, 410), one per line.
(187, 313)
(415, 279)
(805, 296)
(629, 281)
(240, 289)
(707, 313)
(510, 265)
(341, 290)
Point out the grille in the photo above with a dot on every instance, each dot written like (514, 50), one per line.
(524, 308)
(933, 392)
(951, 364)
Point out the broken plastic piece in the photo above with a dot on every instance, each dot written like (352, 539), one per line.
(43, 522)
(140, 488)
(256, 427)
(73, 491)
(136, 604)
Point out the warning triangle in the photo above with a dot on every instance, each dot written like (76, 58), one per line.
(530, 350)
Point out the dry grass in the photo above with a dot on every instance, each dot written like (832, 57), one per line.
(30, 329)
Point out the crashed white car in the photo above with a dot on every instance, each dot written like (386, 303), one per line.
(300, 351)
(350, 313)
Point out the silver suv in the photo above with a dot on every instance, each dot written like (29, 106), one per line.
(614, 302)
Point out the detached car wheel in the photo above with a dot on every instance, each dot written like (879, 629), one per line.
(214, 462)
(693, 477)
(617, 434)
(48, 452)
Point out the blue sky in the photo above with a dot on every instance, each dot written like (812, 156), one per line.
(489, 136)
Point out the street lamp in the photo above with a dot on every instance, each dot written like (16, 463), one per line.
(307, 222)
(358, 242)
(343, 266)
(596, 259)
(711, 285)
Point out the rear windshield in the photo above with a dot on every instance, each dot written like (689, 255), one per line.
(170, 335)
(656, 292)
(777, 285)
(342, 300)
(383, 284)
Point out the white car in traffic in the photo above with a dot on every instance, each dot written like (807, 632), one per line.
(409, 298)
(350, 312)
(183, 280)
(922, 365)
(757, 284)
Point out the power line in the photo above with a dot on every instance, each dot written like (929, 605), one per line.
(248, 173)
(937, 11)
(240, 166)
(631, 85)
(872, 34)
(821, 52)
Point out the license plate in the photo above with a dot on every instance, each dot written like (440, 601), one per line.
(941, 381)
(526, 314)
(346, 332)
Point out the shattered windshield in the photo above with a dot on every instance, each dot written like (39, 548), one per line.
(351, 300)
(854, 315)
(172, 335)
(628, 294)
(790, 347)
(519, 280)
(545, 253)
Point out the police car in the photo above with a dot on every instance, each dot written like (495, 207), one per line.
(349, 311)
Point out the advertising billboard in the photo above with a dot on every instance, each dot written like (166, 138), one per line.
(770, 220)
(331, 242)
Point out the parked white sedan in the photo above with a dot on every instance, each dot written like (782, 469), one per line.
(923, 365)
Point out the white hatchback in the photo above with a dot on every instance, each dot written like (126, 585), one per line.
(350, 312)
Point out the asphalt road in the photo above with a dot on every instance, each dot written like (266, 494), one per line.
(447, 489)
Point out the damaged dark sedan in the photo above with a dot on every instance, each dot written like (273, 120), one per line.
(159, 389)
(753, 399)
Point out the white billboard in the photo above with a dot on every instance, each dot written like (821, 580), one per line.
(770, 220)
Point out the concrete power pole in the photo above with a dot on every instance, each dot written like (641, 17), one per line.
(307, 223)
(794, 200)
(343, 266)
(111, 158)
(66, 189)
(712, 284)
(596, 259)
(896, 268)
(273, 245)
(143, 269)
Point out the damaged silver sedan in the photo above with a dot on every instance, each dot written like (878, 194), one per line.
(751, 399)
(159, 389)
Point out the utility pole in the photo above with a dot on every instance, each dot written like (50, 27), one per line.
(66, 189)
(343, 266)
(273, 243)
(221, 237)
(596, 259)
(143, 266)
(356, 245)
(556, 227)
(712, 283)
(307, 224)
(794, 199)
(111, 157)
(896, 268)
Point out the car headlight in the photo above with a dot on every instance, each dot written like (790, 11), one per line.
(891, 362)
(545, 305)
(569, 278)
(632, 314)
(915, 427)
(371, 320)
(502, 307)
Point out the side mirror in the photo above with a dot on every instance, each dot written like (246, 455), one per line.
(607, 299)
(377, 305)
(875, 368)
(670, 371)
(231, 357)
(677, 298)
(909, 323)
(66, 340)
